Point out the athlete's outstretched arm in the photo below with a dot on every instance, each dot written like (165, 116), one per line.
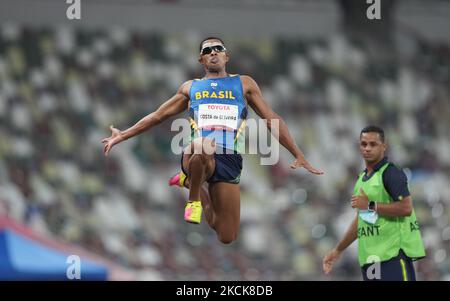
(176, 104)
(259, 105)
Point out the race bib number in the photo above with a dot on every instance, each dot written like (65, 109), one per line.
(217, 116)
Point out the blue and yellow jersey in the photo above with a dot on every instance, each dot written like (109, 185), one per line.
(218, 111)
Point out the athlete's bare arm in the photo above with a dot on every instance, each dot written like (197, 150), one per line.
(175, 105)
(259, 105)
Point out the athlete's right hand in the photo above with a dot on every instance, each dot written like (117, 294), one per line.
(116, 137)
(329, 260)
(301, 162)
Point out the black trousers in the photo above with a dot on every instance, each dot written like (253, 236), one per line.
(399, 268)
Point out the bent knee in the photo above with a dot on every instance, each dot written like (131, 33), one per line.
(227, 238)
(202, 145)
(198, 158)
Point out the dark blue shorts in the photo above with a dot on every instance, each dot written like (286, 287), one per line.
(228, 168)
(399, 268)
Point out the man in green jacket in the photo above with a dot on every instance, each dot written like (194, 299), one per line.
(385, 225)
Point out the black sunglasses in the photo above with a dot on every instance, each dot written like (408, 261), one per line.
(216, 48)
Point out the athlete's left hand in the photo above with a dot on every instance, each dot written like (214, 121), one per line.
(360, 201)
(301, 162)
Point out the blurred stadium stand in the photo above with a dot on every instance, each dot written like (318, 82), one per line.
(62, 86)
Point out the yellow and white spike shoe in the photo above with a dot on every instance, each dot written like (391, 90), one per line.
(193, 212)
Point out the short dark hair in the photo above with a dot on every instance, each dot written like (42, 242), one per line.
(373, 129)
(209, 38)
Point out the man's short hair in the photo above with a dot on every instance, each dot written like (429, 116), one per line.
(209, 38)
(373, 129)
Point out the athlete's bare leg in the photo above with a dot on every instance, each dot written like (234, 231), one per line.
(226, 208)
(198, 161)
(222, 209)
(206, 202)
(221, 202)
